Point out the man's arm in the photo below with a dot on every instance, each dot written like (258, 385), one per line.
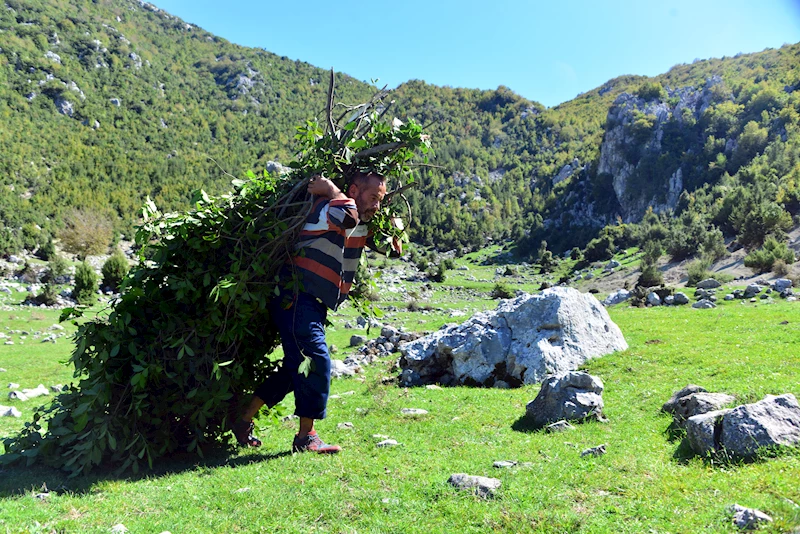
(323, 187)
(342, 210)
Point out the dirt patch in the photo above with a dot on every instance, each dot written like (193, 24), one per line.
(676, 274)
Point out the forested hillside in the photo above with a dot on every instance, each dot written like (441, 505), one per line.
(104, 103)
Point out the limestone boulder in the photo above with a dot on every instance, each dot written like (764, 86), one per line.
(618, 296)
(742, 431)
(523, 341)
(571, 396)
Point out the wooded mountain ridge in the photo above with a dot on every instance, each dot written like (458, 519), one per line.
(107, 102)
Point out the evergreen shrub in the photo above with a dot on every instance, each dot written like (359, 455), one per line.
(114, 270)
(85, 284)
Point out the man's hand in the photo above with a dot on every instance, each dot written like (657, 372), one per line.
(322, 187)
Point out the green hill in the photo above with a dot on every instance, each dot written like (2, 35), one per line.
(105, 103)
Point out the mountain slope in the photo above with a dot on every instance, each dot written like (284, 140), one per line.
(107, 102)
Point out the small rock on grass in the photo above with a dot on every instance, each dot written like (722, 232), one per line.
(413, 411)
(600, 450)
(482, 486)
(3, 370)
(559, 426)
(119, 528)
(748, 518)
(387, 443)
(504, 464)
(9, 411)
(432, 386)
(347, 425)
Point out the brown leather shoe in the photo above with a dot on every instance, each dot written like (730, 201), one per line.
(243, 431)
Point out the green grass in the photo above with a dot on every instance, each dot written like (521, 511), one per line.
(645, 483)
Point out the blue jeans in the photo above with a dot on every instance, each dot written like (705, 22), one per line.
(302, 331)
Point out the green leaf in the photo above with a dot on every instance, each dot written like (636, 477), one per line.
(305, 366)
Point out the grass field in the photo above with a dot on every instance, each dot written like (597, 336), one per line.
(647, 482)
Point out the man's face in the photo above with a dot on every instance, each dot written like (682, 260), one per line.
(368, 196)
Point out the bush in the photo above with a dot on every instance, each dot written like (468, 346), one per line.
(48, 296)
(438, 274)
(650, 276)
(57, 266)
(85, 284)
(87, 233)
(780, 268)
(502, 291)
(576, 254)
(763, 259)
(114, 270)
(599, 249)
(698, 271)
(651, 91)
(27, 274)
(449, 264)
(47, 251)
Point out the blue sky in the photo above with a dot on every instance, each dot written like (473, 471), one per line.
(545, 51)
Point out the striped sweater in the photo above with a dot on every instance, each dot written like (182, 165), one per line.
(329, 249)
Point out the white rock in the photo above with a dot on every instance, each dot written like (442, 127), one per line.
(413, 411)
(119, 528)
(482, 486)
(504, 464)
(748, 518)
(12, 385)
(387, 443)
(620, 295)
(524, 340)
(9, 411)
(17, 395)
(347, 425)
(594, 451)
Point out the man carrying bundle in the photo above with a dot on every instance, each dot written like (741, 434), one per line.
(326, 257)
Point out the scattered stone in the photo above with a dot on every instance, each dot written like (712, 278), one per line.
(9, 411)
(699, 403)
(781, 284)
(482, 486)
(672, 404)
(504, 464)
(729, 296)
(600, 450)
(751, 291)
(38, 391)
(387, 443)
(708, 283)
(653, 299)
(119, 528)
(340, 368)
(58, 388)
(572, 396)
(669, 300)
(618, 296)
(18, 395)
(559, 426)
(524, 340)
(3, 370)
(681, 298)
(413, 411)
(42, 496)
(242, 490)
(772, 422)
(356, 341)
(12, 385)
(432, 387)
(748, 518)
(704, 304)
(763, 296)
(347, 425)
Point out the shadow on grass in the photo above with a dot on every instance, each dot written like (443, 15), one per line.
(526, 424)
(18, 480)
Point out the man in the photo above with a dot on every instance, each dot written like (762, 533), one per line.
(326, 257)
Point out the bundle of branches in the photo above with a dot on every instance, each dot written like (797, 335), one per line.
(190, 333)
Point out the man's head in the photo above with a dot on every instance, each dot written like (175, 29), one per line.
(368, 190)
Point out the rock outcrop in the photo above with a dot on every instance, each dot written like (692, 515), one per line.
(523, 341)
